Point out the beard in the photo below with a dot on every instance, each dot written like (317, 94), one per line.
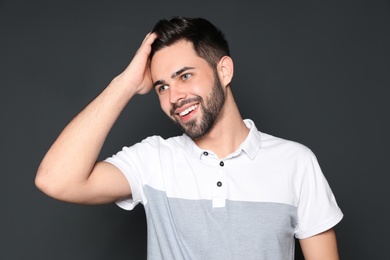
(211, 108)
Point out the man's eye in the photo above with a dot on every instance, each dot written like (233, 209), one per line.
(162, 88)
(186, 76)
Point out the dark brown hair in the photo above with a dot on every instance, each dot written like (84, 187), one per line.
(209, 42)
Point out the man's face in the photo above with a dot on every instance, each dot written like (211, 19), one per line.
(189, 90)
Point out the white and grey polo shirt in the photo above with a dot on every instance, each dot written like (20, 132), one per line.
(249, 205)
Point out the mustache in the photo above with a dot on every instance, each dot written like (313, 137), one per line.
(184, 102)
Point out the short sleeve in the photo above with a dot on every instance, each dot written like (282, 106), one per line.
(317, 207)
(124, 161)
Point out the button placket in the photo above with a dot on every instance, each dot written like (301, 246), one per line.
(220, 187)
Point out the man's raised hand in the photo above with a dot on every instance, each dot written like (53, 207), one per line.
(137, 74)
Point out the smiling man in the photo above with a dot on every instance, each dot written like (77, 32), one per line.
(192, 96)
(223, 189)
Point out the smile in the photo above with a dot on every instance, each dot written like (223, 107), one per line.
(188, 110)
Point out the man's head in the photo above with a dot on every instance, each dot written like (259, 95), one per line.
(208, 41)
(191, 71)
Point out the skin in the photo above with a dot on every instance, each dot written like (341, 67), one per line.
(194, 89)
(320, 247)
(229, 131)
(69, 171)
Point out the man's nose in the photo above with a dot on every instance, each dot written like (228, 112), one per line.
(176, 93)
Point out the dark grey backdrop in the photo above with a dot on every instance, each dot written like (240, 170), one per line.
(316, 72)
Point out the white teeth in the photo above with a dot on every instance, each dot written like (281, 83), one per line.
(188, 110)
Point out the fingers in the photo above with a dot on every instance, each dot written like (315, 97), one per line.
(149, 38)
(137, 74)
(146, 45)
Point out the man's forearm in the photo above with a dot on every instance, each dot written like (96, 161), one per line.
(322, 246)
(69, 170)
(73, 155)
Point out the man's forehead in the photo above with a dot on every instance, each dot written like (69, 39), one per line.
(173, 58)
(182, 46)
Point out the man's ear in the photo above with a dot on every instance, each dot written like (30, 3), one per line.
(225, 70)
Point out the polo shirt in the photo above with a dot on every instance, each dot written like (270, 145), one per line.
(249, 205)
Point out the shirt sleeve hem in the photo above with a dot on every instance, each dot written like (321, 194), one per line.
(320, 228)
(128, 203)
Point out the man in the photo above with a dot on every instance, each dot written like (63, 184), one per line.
(222, 190)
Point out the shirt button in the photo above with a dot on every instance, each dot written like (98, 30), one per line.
(205, 153)
(219, 184)
(221, 163)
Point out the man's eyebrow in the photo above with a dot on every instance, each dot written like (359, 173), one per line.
(158, 82)
(180, 71)
(173, 75)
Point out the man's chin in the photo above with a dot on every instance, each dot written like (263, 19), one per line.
(191, 129)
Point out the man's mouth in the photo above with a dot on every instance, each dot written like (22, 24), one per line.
(188, 110)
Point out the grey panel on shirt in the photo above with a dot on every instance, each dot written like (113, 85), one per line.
(193, 229)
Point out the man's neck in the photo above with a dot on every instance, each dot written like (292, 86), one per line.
(228, 133)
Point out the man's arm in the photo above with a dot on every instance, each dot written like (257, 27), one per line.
(320, 247)
(69, 170)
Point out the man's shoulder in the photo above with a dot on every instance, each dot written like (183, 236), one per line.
(275, 142)
(159, 141)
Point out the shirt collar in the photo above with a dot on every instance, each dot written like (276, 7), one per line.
(250, 146)
(252, 143)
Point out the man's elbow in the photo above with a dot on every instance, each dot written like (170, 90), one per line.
(42, 182)
(45, 183)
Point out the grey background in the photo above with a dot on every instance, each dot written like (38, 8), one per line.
(316, 72)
